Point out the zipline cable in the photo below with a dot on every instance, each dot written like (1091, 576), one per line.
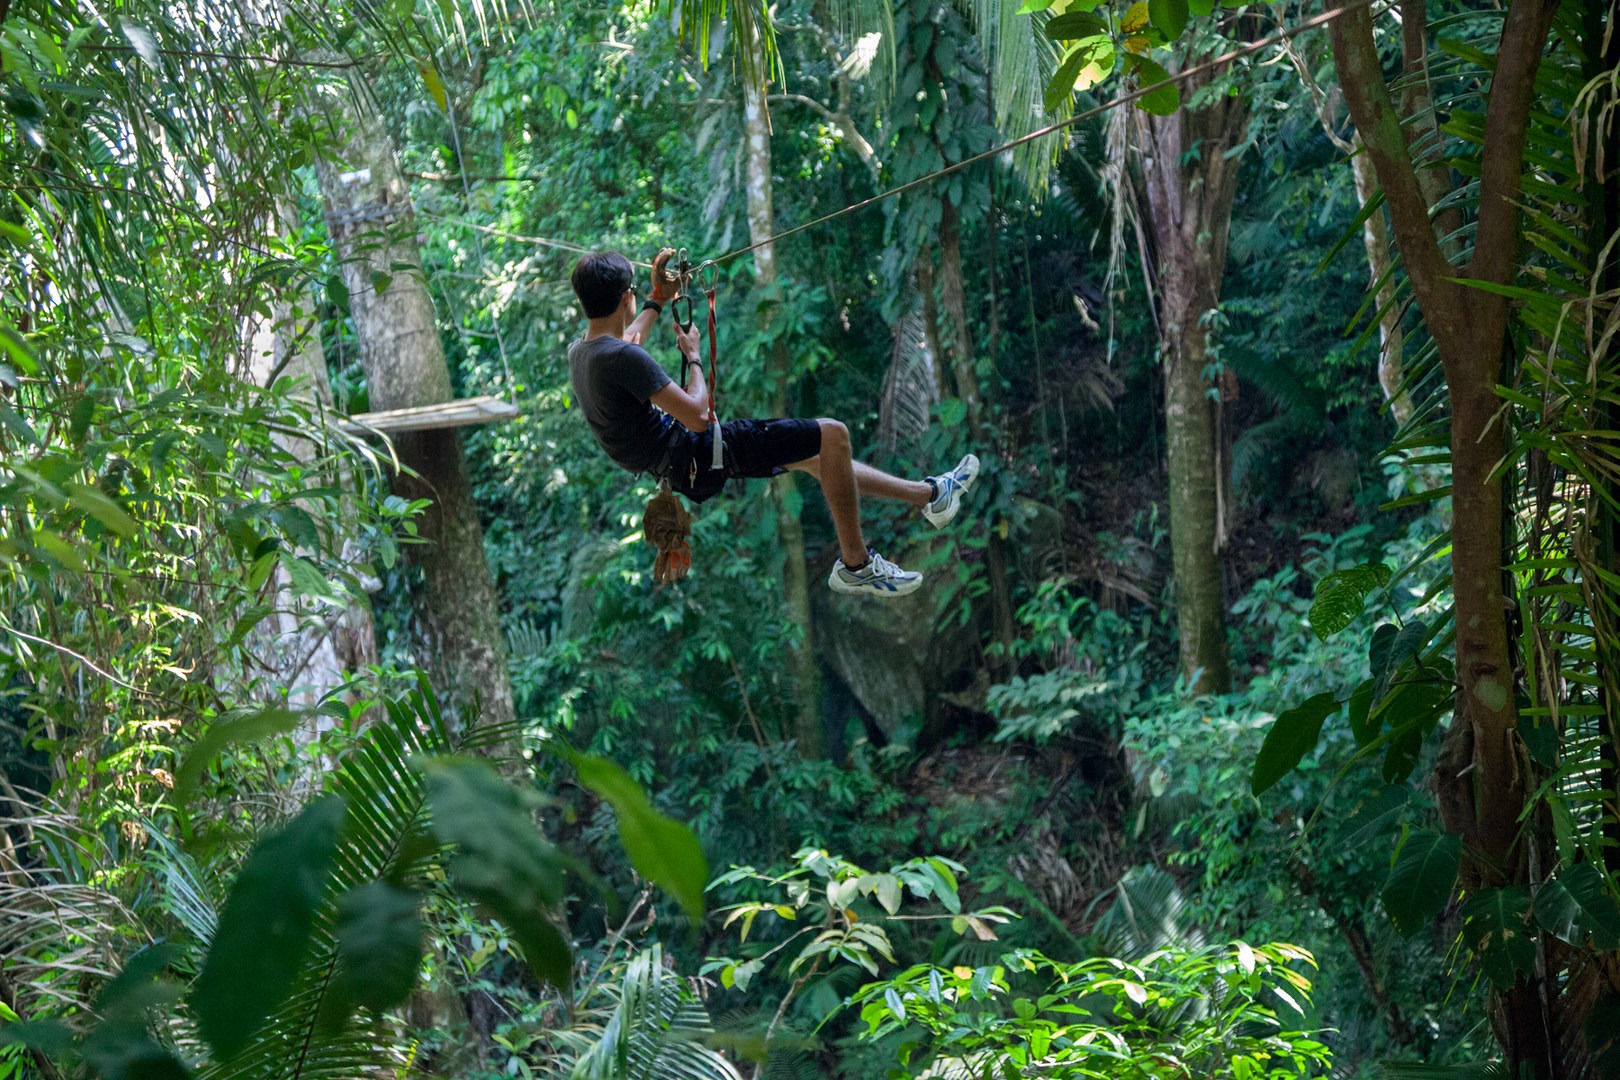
(1123, 99)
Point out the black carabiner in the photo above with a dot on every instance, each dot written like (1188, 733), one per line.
(682, 316)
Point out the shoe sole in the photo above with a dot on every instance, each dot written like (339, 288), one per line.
(946, 517)
(885, 590)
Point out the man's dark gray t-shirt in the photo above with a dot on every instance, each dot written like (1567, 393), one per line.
(613, 381)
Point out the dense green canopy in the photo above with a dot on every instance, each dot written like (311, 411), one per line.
(1256, 718)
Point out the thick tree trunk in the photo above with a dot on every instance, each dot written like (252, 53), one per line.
(1190, 185)
(789, 526)
(1483, 775)
(452, 595)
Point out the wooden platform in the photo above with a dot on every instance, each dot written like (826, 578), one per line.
(479, 410)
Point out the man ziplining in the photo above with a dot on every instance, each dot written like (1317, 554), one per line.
(647, 423)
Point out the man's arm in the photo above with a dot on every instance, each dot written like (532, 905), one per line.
(689, 406)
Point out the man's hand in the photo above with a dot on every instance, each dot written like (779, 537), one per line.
(687, 341)
(663, 289)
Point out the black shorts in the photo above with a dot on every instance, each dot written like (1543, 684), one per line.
(748, 448)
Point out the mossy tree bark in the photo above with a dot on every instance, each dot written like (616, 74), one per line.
(453, 597)
(1189, 183)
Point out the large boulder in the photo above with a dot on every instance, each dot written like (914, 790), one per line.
(899, 656)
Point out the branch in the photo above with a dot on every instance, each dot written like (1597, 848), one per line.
(1507, 120)
(843, 122)
(1361, 78)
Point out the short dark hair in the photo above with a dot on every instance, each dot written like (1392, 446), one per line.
(600, 280)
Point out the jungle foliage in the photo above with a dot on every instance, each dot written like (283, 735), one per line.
(1015, 829)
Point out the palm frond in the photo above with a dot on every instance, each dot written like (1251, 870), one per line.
(654, 1031)
(909, 390)
(1146, 916)
(387, 801)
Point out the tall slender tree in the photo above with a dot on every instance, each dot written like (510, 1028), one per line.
(1188, 175)
(760, 194)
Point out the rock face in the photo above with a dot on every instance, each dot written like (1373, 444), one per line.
(892, 653)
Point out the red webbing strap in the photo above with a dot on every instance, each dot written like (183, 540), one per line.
(714, 384)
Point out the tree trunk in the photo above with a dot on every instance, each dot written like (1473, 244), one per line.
(1391, 340)
(1483, 776)
(784, 491)
(1189, 187)
(310, 658)
(964, 372)
(452, 595)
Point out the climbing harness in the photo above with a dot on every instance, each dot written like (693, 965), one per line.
(666, 526)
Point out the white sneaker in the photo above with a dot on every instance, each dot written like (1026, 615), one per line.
(879, 577)
(951, 487)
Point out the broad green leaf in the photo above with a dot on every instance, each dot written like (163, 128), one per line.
(888, 893)
(1201, 7)
(1074, 25)
(1161, 101)
(21, 353)
(435, 87)
(501, 860)
(1575, 904)
(306, 579)
(379, 936)
(59, 549)
(662, 850)
(1292, 736)
(1496, 923)
(92, 501)
(1029, 7)
(1402, 756)
(1086, 63)
(248, 728)
(14, 423)
(951, 411)
(264, 930)
(1540, 741)
(1389, 653)
(1375, 812)
(1360, 712)
(1169, 16)
(1342, 596)
(1422, 879)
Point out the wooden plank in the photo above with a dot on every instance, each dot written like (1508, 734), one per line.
(478, 410)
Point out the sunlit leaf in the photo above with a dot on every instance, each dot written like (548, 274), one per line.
(662, 850)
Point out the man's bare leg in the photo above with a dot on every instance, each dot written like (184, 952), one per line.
(876, 482)
(834, 467)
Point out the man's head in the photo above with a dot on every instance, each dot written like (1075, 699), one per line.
(600, 281)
